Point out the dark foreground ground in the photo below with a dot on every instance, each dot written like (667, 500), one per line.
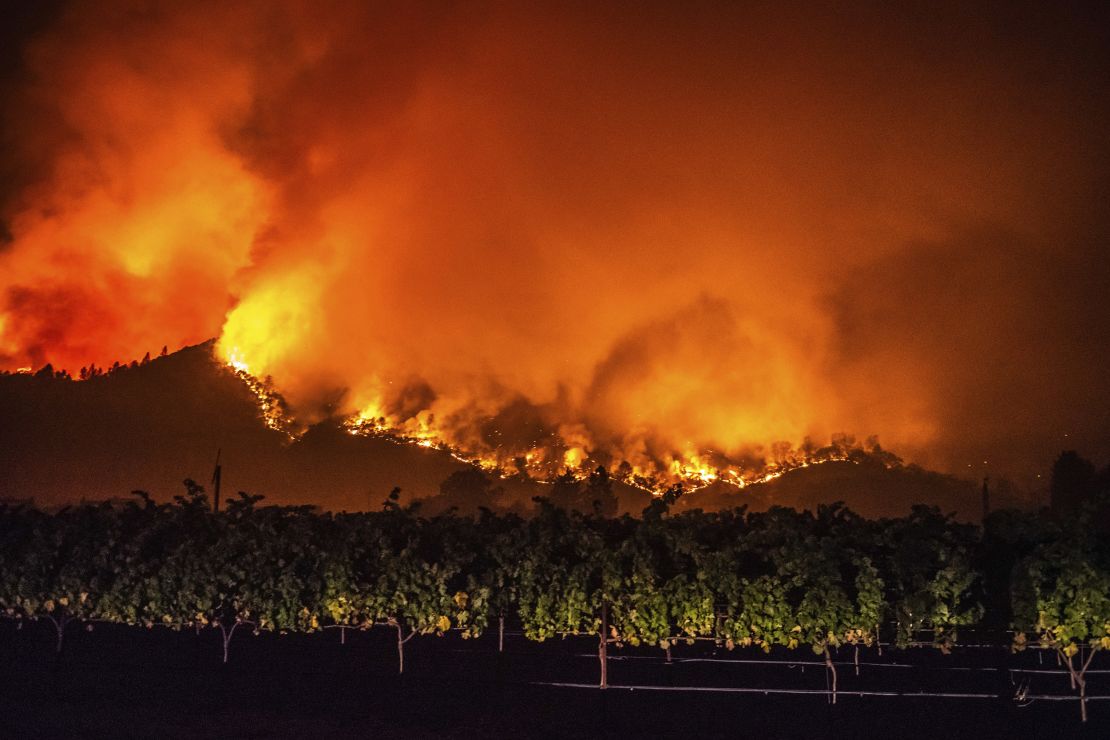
(117, 682)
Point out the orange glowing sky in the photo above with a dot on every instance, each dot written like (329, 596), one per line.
(656, 227)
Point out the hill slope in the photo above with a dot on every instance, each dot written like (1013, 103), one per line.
(151, 426)
(867, 487)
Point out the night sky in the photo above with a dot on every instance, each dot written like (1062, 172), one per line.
(647, 231)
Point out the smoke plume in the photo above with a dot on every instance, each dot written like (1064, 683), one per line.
(652, 233)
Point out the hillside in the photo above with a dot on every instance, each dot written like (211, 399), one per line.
(868, 488)
(151, 426)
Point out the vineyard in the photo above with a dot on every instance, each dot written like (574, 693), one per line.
(730, 597)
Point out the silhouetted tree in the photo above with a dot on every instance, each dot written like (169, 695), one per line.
(520, 463)
(466, 491)
(566, 492)
(660, 505)
(594, 495)
(599, 492)
(624, 470)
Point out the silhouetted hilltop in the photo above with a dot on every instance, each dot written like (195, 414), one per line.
(867, 486)
(149, 426)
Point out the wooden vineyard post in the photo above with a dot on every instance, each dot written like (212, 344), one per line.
(216, 476)
(603, 646)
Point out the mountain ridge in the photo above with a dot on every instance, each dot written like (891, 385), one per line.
(149, 426)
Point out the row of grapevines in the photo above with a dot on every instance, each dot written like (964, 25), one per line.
(823, 580)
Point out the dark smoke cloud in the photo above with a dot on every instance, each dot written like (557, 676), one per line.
(999, 339)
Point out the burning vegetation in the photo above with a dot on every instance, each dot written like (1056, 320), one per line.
(547, 460)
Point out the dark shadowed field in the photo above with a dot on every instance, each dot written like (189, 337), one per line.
(133, 683)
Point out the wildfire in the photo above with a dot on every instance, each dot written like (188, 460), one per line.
(692, 469)
(544, 462)
(235, 361)
(270, 403)
(633, 248)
